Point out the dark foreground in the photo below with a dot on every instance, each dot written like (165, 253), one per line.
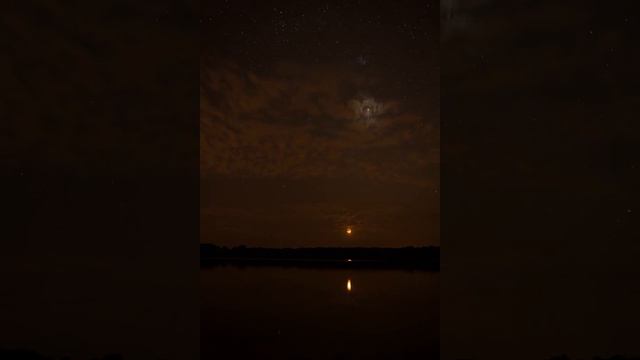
(411, 258)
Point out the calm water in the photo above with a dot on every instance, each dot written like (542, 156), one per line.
(288, 313)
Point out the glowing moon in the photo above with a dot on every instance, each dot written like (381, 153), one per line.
(366, 109)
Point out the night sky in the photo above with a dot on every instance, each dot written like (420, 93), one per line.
(316, 117)
(540, 174)
(543, 148)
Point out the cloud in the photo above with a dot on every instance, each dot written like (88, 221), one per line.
(300, 122)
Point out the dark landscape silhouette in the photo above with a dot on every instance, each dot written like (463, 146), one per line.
(413, 258)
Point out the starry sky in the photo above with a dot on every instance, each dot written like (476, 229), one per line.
(315, 117)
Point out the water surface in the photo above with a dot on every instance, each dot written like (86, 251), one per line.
(293, 313)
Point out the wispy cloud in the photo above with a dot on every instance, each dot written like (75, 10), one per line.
(300, 123)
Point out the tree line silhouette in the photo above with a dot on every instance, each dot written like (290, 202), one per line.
(424, 258)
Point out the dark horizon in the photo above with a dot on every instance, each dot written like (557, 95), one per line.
(410, 257)
(320, 247)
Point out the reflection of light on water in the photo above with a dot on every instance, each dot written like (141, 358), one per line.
(349, 285)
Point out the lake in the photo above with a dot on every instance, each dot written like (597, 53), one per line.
(295, 313)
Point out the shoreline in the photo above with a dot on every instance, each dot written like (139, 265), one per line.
(208, 262)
